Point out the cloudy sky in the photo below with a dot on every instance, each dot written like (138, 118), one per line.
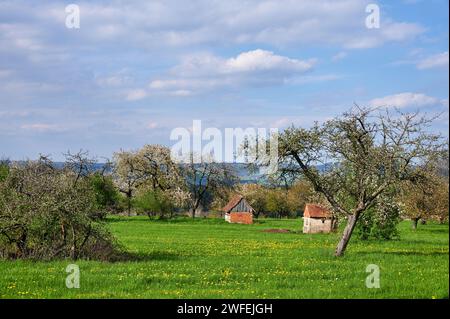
(135, 70)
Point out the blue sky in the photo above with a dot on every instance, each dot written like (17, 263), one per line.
(135, 70)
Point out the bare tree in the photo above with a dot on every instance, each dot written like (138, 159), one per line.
(204, 179)
(355, 158)
(47, 212)
(80, 163)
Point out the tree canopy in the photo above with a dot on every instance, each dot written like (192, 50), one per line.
(355, 158)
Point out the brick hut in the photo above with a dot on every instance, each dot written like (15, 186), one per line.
(317, 219)
(238, 210)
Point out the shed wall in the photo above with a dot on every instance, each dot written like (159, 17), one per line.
(240, 218)
(317, 225)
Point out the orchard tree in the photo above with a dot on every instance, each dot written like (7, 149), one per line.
(126, 175)
(221, 198)
(441, 200)
(356, 158)
(48, 212)
(80, 163)
(256, 196)
(278, 203)
(160, 174)
(150, 167)
(299, 194)
(153, 203)
(206, 179)
(157, 169)
(106, 194)
(425, 197)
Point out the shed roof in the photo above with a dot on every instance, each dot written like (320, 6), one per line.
(234, 202)
(316, 211)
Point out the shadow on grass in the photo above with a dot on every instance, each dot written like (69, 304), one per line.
(435, 230)
(403, 253)
(121, 219)
(158, 220)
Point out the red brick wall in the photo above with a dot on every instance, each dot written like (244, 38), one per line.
(241, 218)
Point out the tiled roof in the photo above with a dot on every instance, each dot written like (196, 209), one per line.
(316, 211)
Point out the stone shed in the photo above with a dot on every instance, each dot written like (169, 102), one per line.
(317, 219)
(238, 210)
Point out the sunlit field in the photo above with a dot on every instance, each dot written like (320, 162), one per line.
(209, 258)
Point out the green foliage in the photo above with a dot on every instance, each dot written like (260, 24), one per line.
(47, 213)
(278, 201)
(278, 204)
(380, 222)
(153, 203)
(106, 194)
(4, 171)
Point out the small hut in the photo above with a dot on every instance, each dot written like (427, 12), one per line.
(238, 210)
(317, 219)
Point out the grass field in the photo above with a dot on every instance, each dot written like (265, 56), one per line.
(209, 258)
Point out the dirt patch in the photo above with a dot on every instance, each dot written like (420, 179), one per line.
(279, 231)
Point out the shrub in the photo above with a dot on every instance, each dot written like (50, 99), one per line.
(47, 213)
(380, 221)
(106, 194)
(4, 169)
(153, 203)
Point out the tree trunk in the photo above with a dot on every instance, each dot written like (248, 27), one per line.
(415, 221)
(334, 224)
(351, 223)
(196, 206)
(129, 194)
(73, 248)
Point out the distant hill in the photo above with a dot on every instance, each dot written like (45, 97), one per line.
(246, 176)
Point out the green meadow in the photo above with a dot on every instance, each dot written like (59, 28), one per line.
(209, 258)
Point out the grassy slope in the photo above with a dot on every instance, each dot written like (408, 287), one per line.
(213, 259)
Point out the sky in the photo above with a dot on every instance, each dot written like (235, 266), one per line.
(135, 70)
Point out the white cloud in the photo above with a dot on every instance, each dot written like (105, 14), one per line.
(182, 93)
(14, 114)
(205, 72)
(305, 79)
(435, 61)
(136, 94)
(388, 32)
(20, 36)
(23, 88)
(161, 23)
(261, 60)
(152, 125)
(114, 80)
(42, 127)
(407, 99)
(339, 56)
